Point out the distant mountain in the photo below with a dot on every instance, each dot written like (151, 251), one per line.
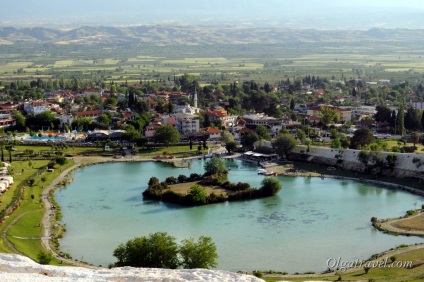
(199, 35)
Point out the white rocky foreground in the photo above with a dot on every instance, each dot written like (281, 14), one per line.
(20, 268)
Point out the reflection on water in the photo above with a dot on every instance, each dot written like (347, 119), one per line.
(309, 221)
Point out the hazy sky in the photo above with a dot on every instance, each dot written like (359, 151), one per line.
(283, 13)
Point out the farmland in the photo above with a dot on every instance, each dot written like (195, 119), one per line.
(224, 63)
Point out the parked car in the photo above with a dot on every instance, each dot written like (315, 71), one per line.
(318, 139)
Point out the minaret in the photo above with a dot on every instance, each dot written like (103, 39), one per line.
(195, 98)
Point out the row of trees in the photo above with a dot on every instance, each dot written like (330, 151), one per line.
(160, 250)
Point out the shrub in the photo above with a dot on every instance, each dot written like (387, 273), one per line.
(61, 160)
(200, 254)
(44, 257)
(270, 186)
(194, 177)
(153, 180)
(171, 180)
(258, 274)
(197, 195)
(182, 178)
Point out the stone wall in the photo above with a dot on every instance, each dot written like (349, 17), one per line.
(404, 165)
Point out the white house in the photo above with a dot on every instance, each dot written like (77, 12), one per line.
(35, 107)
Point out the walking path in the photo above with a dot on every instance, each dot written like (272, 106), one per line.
(390, 226)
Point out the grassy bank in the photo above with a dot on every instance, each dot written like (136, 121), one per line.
(23, 227)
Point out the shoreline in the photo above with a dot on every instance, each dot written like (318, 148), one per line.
(82, 161)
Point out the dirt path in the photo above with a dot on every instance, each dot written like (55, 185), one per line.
(49, 215)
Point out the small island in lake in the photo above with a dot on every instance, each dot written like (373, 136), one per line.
(209, 188)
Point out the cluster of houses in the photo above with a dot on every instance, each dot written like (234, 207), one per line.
(187, 119)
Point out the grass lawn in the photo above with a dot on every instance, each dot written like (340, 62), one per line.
(394, 143)
(183, 188)
(31, 210)
(177, 151)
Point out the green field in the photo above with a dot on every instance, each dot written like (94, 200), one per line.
(225, 63)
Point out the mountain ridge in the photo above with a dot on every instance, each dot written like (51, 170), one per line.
(199, 35)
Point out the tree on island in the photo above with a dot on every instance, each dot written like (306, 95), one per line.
(270, 186)
(167, 134)
(197, 195)
(215, 166)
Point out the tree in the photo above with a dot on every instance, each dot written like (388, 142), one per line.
(61, 160)
(383, 114)
(44, 257)
(292, 105)
(214, 166)
(412, 120)
(415, 138)
(364, 157)
(301, 135)
(422, 121)
(262, 132)
(400, 120)
(200, 254)
(361, 138)
(391, 160)
(158, 250)
(336, 143)
(230, 146)
(197, 195)
(167, 134)
(284, 144)
(153, 181)
(103, 121)
(20, 119)
(226, 137)
(270, 186)
(131, 134)
(248, 139)
(328, 115)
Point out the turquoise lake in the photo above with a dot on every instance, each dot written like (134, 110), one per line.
(298, 230)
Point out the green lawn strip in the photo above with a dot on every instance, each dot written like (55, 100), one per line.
(33, 209)
(28, 225)
(177, 151)
(42, 150)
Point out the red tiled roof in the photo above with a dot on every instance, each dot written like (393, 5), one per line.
(86, 113)
(212, 130)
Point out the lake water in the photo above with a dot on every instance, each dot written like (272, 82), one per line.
(309, 221)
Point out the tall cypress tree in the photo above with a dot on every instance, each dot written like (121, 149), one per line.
(422, 121)
(400, 120)
(292, 105)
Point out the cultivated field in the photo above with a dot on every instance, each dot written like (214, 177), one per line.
(224, 63)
